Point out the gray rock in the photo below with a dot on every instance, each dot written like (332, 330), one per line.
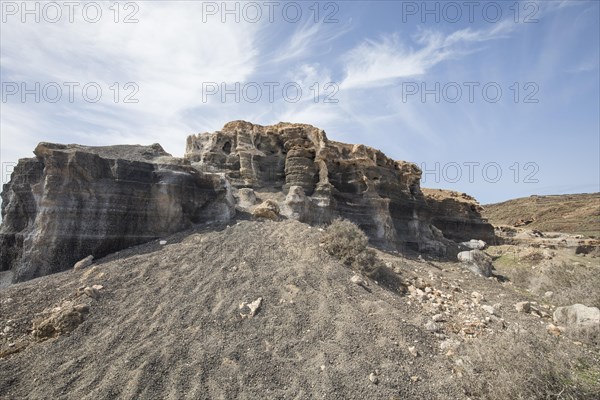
(577, 316)
(71, 201)
(474, 244)
(432, 327)
(476, 261)
(523, 306)
(86, 262)
(296, 205)
(246, 197)
(489, 309)
(373, 378)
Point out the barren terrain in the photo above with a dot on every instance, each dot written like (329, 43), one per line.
(165, 322)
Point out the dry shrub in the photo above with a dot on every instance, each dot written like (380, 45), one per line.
(345, 241)
(524, 365)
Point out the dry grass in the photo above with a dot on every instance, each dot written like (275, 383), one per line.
(527, 365)
(573, 213)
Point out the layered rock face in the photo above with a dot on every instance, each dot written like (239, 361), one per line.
(72, 201)
(458, 215)
(323, 180)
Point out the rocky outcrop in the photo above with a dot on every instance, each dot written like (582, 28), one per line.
(323, 180)
(458, 215)
(72, 201)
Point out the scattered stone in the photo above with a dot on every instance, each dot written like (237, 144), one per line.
(548, 294)
(555, 330)
(268, 210)
(413, 350)
(477, 297)
(358, 280)
(523, 306)
(249, 310)
(432, 326)
(86, 262)
(58, 320)
(438, 318)
(373, 378)
(489, 309)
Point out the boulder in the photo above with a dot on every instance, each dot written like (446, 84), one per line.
(268, 210)
(296, 205)
(86, 262)
(523, 307)
(474, 244)
(577, 316)
(476, 261)
(246, 197)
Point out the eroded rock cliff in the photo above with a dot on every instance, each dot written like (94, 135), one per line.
(72, 201)
(323, 180)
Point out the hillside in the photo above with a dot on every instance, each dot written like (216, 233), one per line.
(571, 213)
(165, 322)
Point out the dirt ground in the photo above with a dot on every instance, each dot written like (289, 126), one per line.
(165, 322)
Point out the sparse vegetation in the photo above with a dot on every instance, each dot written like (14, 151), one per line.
(345, 241)
(525, 365)
(571, 280)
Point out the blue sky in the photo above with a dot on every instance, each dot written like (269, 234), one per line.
(383, 62)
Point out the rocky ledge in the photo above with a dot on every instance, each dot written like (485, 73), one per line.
(72, 201)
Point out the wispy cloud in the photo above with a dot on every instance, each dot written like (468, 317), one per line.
(379, 63)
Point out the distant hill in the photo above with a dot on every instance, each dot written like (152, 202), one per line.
(572, 213)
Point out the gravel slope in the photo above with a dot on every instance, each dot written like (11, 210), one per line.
(167, 325)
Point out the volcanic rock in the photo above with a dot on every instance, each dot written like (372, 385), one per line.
(72, 201)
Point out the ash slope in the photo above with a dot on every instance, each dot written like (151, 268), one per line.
(167, 325)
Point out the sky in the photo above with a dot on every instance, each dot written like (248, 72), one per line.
(498, 99)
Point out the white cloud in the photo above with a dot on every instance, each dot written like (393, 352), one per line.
(169, 54)
(380, 63)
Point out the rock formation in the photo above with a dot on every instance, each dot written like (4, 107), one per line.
(72, 201)
(323, 180)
